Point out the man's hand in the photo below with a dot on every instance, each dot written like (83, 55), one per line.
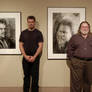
(27, 58)
(32, 59)
(23, 52)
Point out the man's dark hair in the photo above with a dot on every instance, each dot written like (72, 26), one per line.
(3, 21)
(31, 17)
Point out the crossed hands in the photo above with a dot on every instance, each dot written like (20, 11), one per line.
(30, 58)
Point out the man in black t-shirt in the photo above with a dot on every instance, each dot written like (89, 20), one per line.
(31, 44)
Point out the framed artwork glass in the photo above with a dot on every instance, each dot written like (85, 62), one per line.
(9, 32)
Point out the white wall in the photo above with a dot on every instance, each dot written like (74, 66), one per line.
(53, 73)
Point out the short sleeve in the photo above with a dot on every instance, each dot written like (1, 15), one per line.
(40, 37)
(21, 39)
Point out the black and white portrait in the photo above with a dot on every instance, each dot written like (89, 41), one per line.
(63, 29)
(62, 24)
(9, 33)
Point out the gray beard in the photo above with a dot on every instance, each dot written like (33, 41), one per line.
(61, 44)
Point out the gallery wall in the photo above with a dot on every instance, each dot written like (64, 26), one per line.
(53, 73)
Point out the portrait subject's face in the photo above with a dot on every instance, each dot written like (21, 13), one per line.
(63, 35)
(2, 30)
(84, 29)
(31, 23)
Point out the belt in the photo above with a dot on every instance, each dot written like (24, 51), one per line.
(86, 59)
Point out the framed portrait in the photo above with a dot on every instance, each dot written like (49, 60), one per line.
(9, 32)
(62, 24)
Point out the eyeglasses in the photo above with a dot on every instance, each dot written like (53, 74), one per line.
(84, 27)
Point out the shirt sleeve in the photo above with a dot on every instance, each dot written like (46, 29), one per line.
(40, 37)
(21, 39)
(70, 48)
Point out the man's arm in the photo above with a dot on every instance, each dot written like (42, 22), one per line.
(23, 52)
(39, 50)
(70, 48)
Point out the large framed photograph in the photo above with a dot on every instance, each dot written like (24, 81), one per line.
(62, 24)
(9, 32)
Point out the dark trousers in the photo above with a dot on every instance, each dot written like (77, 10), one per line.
(81, 75)
(31, 71)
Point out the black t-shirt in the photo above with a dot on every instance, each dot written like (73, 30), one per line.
(31, 40)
